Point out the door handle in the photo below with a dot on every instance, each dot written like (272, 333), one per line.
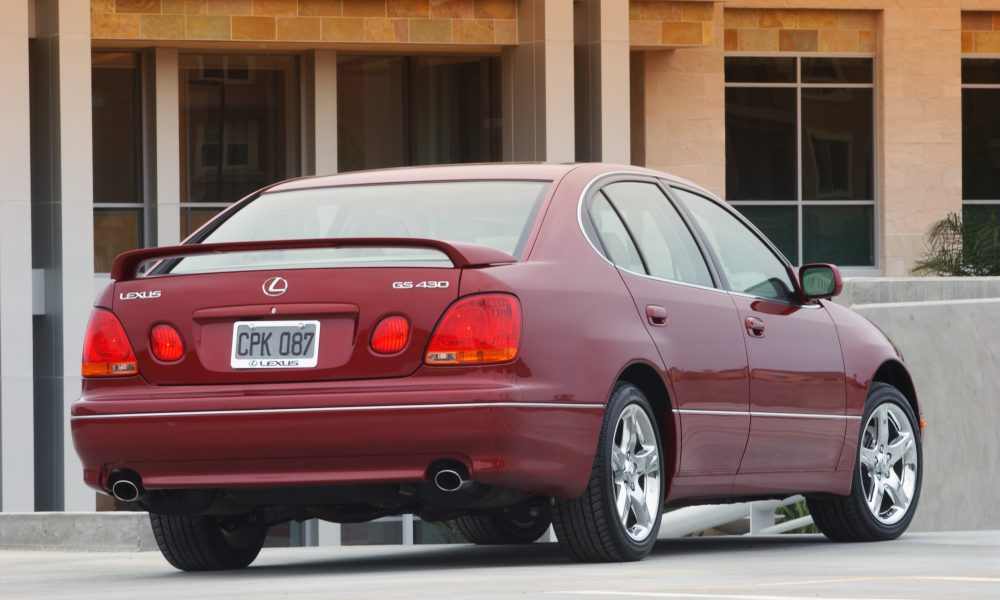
(755, 327)
(657, 315)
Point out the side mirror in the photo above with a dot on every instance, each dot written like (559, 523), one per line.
(820, 281)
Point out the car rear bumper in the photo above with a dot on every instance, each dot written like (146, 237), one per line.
(346, 437)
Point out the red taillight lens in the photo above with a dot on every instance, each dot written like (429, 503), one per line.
(106, 349)
(390, 335)
(165, 343)
(477, 330)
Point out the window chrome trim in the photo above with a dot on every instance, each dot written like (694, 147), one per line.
(329, 409)
(740, 413)
(579, 220)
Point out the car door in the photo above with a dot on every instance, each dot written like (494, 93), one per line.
(693, 323)
(797, 385)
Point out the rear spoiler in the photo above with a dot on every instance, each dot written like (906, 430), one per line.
(462, 255)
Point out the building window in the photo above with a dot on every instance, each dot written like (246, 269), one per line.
(239, 118)
(119, 208)
(800, 153)
(399, 111)
(981, 139)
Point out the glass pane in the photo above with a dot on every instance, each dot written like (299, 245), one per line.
(981, 70)
(666, 243)
(398, 111)
(760, 144)
(981, 144)
(239, 124)
(842, 235)
(779, 224)
(981, 214)
(749, 265)
(618, 244)
(193, 218)
(837, 70)
(837, 144)
(115, 231)
(754, 69)
(117, 141)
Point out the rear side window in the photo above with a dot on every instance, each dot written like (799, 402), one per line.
(750, 266)
(617, 242)
(664, 241)
(498, 214)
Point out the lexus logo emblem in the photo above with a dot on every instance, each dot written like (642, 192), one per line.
(275, 286)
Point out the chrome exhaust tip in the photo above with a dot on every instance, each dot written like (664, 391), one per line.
(450, 480)
(126, 490)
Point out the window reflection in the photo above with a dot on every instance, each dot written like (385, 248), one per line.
(116, 111)
(239, 124)
(399, 111)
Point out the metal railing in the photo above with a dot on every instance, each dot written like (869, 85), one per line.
(762, 515)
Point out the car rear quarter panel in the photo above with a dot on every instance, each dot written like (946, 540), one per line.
(580, 327)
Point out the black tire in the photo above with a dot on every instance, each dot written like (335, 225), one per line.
(589, 528)
(849, 519)
(516, 525)
(203, 543)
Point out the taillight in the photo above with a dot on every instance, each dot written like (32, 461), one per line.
(477, 330)
(106, 349)
(165, 343)
(390, 335)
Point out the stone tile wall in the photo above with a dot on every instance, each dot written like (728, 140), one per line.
(667, 24)
(470, 22)
(802, 30)
(980, 32)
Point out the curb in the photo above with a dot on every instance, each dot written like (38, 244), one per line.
(88, 532)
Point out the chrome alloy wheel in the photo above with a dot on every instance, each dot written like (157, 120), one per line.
(635, 464)
(888, 463)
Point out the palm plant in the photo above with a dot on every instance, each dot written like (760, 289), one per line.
(957, 247)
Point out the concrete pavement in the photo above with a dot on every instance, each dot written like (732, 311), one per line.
(919, 565)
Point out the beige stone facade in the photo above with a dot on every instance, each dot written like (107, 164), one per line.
(671, 66)
(674, 68)
(465, 22)
(917, 46)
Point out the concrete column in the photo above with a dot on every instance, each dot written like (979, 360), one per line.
(538, 90)
(166, 130)
(685, 111)
(17, 474)
(602, 80)
(329, 534)
(324, 127)
(920, 118)
(63, 230)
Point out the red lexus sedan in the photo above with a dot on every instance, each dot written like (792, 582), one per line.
(499, 346)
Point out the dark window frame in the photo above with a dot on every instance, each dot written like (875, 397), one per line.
(799, 203)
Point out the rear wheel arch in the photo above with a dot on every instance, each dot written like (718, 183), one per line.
(893, 373)
(648, 379)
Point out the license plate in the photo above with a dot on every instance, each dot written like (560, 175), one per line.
(275, 344)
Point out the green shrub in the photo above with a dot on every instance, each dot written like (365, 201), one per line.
(958, 247)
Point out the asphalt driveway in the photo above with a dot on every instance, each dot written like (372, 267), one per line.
(919, 565)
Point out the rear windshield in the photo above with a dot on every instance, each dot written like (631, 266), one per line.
(498, 214)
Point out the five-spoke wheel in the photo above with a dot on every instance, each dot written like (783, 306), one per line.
(618, 516)
(635, 464)
(887, 478)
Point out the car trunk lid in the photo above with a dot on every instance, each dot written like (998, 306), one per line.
(288, 324)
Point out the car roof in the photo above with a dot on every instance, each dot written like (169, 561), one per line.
(513, 171)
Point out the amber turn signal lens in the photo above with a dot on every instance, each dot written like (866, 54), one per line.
(477, 330)
(165, 343)
(106, 349)
(391, 335)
